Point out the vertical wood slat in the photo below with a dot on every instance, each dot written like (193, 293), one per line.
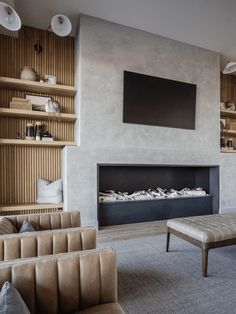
(20, 166)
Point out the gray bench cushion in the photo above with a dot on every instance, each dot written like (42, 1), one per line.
(209, 228)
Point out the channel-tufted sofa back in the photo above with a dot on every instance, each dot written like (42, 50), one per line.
(25, 245)
(64, 283)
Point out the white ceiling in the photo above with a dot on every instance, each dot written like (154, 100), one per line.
(209, 24)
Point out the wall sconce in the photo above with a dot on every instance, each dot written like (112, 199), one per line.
(230, 68)
(60, 24)
(9, 18)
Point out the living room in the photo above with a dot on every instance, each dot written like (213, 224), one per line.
(117, 117)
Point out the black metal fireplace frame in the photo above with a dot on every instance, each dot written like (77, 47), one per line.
(123, 212)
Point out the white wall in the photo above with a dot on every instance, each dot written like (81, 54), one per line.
(105, 51)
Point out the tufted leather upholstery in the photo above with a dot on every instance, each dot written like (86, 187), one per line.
(208, 228)
(50, 221)
(24, 245)
(66, 283)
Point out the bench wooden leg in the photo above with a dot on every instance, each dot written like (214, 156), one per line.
(204, 261)
(167, 240)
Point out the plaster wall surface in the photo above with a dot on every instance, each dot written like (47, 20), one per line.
(105, 50)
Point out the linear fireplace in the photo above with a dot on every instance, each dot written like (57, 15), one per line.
(131, 178)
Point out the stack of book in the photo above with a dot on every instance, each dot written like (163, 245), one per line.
(20, 103)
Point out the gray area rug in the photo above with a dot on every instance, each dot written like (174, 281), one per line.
(152, 281)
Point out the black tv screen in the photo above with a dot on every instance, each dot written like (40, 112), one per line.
(157, 101)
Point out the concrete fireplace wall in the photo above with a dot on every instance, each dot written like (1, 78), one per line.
(105, 50)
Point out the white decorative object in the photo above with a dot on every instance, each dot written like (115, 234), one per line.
(52, 106)
(49, 192)
(222, 106)
(50, 79)
(9, 18)
(28, 73)
(61, 25)
(38, 102)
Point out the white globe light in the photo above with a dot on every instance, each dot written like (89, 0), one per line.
(61, 25)
(9, 18)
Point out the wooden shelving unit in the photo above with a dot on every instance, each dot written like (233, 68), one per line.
(37, 87)
(35, 143)
(30, 206)
(23, 162)
(228, 88)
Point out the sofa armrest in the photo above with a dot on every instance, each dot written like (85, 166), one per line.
(31, 244)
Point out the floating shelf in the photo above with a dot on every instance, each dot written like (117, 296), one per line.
(228, 150)
(228, 113)
(29, 206)
(35, 143)
(38, 87)
(19, 113)
(229, 132)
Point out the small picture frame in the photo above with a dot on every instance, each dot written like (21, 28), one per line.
(38, 102)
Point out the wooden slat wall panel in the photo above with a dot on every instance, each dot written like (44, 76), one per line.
(57, 57)
(20, 167)
(228, 88)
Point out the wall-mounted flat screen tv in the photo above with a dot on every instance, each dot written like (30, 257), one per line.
(157, 101)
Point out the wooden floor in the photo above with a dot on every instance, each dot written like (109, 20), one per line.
(131, 231)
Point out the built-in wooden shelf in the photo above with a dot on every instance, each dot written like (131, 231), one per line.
(36, 143)
(19, 113)
(28, 206)
(38, 87)
(228, 150)
(229, 132)
(228, 113)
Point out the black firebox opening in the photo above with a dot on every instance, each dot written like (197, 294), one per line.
(130, 178)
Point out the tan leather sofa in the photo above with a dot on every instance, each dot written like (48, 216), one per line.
(50, 221)
(80, 282)
(31, 244)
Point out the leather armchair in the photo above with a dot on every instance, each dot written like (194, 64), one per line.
(80, 282)
(50, 221)
(31, 244)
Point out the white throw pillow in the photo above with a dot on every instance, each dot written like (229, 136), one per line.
(50, 192)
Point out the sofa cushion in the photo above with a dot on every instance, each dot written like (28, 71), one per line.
(6, 227)
(108, 308)
(26, 227)
(11, 301)
(49, 192)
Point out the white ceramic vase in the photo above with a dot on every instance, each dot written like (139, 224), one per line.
(28, 73)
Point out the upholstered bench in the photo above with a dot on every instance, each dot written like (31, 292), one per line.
(206, 232)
